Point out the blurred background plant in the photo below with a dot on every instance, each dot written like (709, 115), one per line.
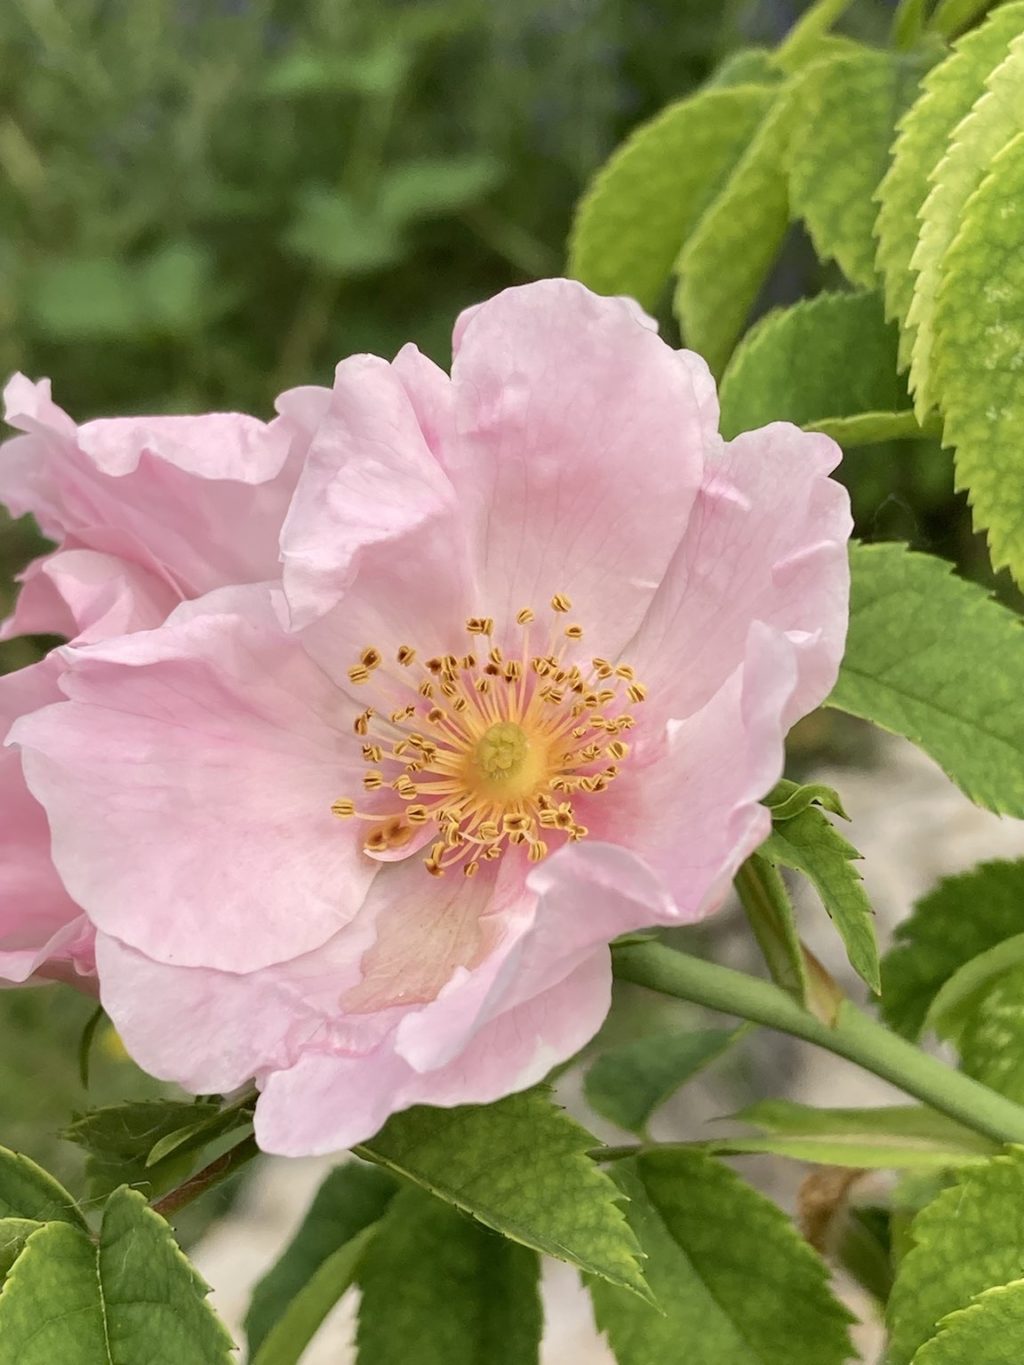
(203, 202)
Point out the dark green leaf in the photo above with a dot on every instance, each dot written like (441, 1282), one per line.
(352, 1198)
(14, 1233)
(465, 1296)
(521, 1167)
(629, 1082)
(26, 1191)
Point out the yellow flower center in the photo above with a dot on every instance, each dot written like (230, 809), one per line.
(490, 751)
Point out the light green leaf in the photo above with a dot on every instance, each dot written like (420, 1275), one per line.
(839, 150)
(745, 66)
(958, 997)
(149, 1144)
(828, 358)
(803, 42)
(968, 1239)
(644, 203)
(949, 91)
(737, 1284)
(988, 1331)
(724, 262)
(304, 1314)
(787, 799)
(962, 919)
(979, 353)
(629, 1082)
(132, 1297)
(465, 1296)
(933, 658)
(521, 1167)
(351, 1199)
(899, 1136)
(810, 843)
(27, 1191)
(14, 1233)
(991, 1036)
(992, 123)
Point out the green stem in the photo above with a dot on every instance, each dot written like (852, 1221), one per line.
(951, 17)
(908, 23)
(855, 1035)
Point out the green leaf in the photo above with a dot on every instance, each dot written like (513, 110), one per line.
(959, 996)
(629, 1082)
(810, 843)
(839, 150)
(933, 658)
(991, 1036)
(466, 1297)
(521, 1167)
(802, 43)
(14, 1233)
(952, 16)
(770, 914)
(787, 799)
(825, 363)
(993, 121)
(979, 351)
(644, 203)
(351, 1199)
(79, 299)
(968, 1239)
(334, 232)
(893, 1137)
(27, 1191)
(949, 91)
(132, 1297)
(435, 186)
(989, 1331)
(726, 259)
(304, 1314)
(962, 919)
(737, 1284)
(148, 1144)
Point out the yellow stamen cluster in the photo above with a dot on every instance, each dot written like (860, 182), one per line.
(495, 749)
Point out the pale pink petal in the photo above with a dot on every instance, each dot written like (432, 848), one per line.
(192, 774)
(579, 451)
(39, 923)
(373, 521)
(328, 1102)
(766, 542)
(88, 596)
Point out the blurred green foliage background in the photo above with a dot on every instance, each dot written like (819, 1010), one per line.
(203, 202)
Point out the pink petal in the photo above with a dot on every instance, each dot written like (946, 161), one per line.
(766, 542)
(580, 445)
(189, 784)
(39, 923)
(86, 596)
(328, 1102)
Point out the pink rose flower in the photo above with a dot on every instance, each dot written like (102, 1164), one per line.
(147, 512)
(366, 836)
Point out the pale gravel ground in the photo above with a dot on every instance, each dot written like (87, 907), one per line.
(912, 826)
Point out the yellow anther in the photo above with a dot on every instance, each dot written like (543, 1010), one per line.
(524, 616)
(417, 815)
(361, 724)
(406, 654)
(617, 749)
(435, 714)
(605, 696)
(434, 665)
(373, 780)
(372, 753)
(376, 841)
(358, 674)
(538, 850)
(467, 661)
(343, 808)
(636, 692)
(560, 602)
(459, 703)
(370, 658)
(480, 625)
(574, 632)
(471, 869)
(602, 668)
(513, 670)
(489, 831)
(495, 655)
(426, 688)
(483, 685)
(403, 714)
(624, 671)
(405, 787)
